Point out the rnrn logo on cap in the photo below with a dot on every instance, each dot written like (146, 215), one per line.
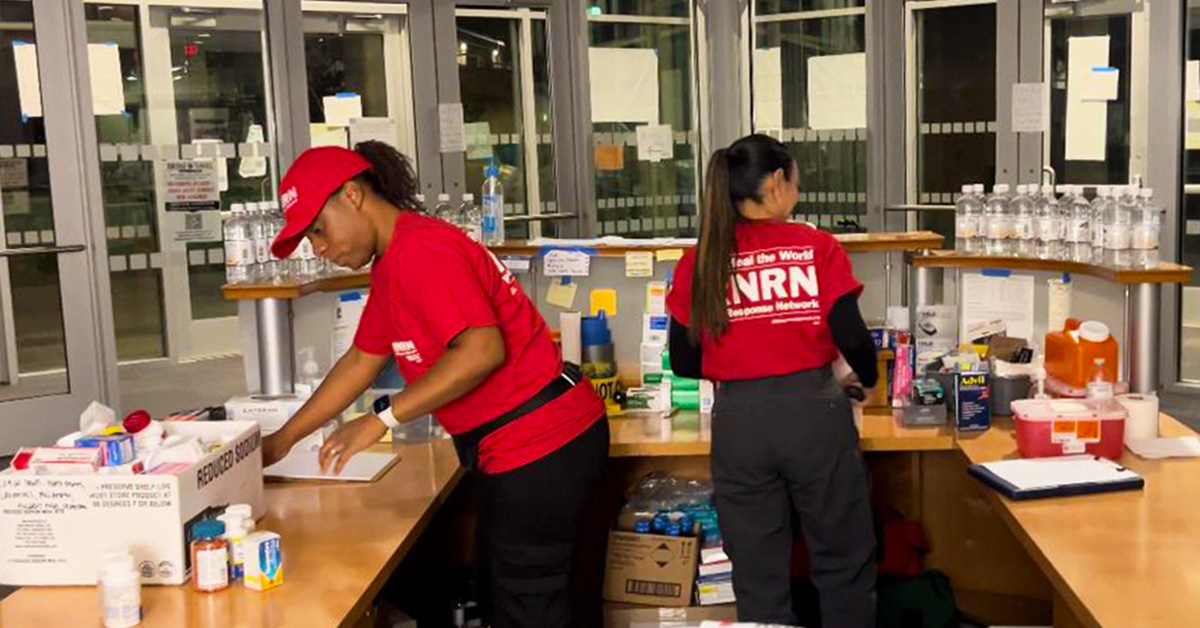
(289, 198)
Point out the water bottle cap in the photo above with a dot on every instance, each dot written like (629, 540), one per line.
(1033, 188)
(594, 330)
(1022, 188)
(443, 198)
(966, 189)
(237, 208)
(977, 188)
(1001, 188)
(1147, 193)
(491, 171)
(1104, 191)
(468, 198)
(1077, 190)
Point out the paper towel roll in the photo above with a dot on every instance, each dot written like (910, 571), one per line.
(1143, 416)
(570, 327)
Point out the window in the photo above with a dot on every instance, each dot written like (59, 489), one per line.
(504, 79)
(951, 72)
(809, 91)
(645, 140)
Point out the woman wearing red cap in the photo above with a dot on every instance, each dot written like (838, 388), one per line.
(473, 350)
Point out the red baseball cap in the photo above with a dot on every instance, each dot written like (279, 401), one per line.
(315, 175)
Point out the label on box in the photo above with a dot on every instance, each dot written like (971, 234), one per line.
(1083, 432)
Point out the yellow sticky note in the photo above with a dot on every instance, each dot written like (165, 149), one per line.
(562, 295)
(668, 255)
(604, 299)
(1192, 140)
(639, 264)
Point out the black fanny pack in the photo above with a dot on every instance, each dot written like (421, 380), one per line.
(467, 443)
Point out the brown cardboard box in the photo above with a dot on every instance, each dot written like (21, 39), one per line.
(650, 569)
(617, 615)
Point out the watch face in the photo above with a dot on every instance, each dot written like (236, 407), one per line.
(381, 404)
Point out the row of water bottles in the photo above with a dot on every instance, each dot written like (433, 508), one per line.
(1119, 227)
(249, 232)
(485, 224)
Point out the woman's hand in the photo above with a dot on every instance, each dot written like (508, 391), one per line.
(350, 439)
(275, 447)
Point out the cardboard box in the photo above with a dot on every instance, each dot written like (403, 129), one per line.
(53, 528)
(631, 616)
(650, 569)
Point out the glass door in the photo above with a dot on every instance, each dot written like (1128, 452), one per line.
(809, 90)
(504, 81)
(950, 79)
(182, 90)
(49, 365)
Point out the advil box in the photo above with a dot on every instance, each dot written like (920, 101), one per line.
(973, 408)
(54, 528)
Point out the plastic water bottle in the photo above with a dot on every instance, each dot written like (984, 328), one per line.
(1048, 226)
(260, 237)
(470, 218)
(979, 246)
(1147, 228)
(275, 222)
(1118, 227)
(493, 207)
(997, 222)
(968, 216)
(239, 248)
(1078, 222)
(444, 210)
(1023, 208)
(1099, 210)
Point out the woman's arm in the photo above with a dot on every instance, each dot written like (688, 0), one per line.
(346, 381)
(686, 358)
(853, 339)
(471, 357)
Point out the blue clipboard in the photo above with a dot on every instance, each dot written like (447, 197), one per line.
(1011, 491)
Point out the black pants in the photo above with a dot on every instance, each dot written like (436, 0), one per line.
(785, 443)
(528, 522)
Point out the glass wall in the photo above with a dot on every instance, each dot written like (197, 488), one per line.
(1090, 137)
(33, 352)
(952, 95)
(809, 90)
(644, 122)
(174, 85)
(504, 80)
(1189, 335)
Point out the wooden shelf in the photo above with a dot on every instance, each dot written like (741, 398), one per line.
(1165, 272)
(852, 242)
(689, 434)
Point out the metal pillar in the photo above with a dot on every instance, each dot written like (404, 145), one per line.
(1142, 327)
(273, 321)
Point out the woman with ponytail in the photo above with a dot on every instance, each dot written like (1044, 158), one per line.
(762, 307)
(473, 350)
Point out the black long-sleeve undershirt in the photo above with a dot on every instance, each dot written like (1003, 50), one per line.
(846, 325)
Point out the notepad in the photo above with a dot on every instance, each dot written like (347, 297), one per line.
(305, 465)
(1157, 448)
(1054, 477)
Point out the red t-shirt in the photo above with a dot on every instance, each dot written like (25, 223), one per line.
(786, 278)
(433, 283)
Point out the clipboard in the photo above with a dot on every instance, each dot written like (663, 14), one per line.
(1066, 476)
(367, 466)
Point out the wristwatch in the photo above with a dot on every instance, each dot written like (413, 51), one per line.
(382, 407)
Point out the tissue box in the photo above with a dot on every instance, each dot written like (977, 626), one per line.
(53, 528)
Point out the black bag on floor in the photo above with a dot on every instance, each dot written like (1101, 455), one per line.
(924, 601)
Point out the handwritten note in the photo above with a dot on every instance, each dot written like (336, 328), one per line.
(562, 263)
(639, 264)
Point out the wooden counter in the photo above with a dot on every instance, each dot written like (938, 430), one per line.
(1117, 560)
(1164, 272)
(852, 242)
(689, 434)
(340, 543)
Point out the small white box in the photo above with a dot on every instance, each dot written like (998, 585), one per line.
(271, 414)
(53, 529)
(655, 329)
(707, 396)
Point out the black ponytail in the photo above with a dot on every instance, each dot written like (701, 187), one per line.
(391, 175)
(734, 175)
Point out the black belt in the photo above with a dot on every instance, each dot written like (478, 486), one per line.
(467, 443)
